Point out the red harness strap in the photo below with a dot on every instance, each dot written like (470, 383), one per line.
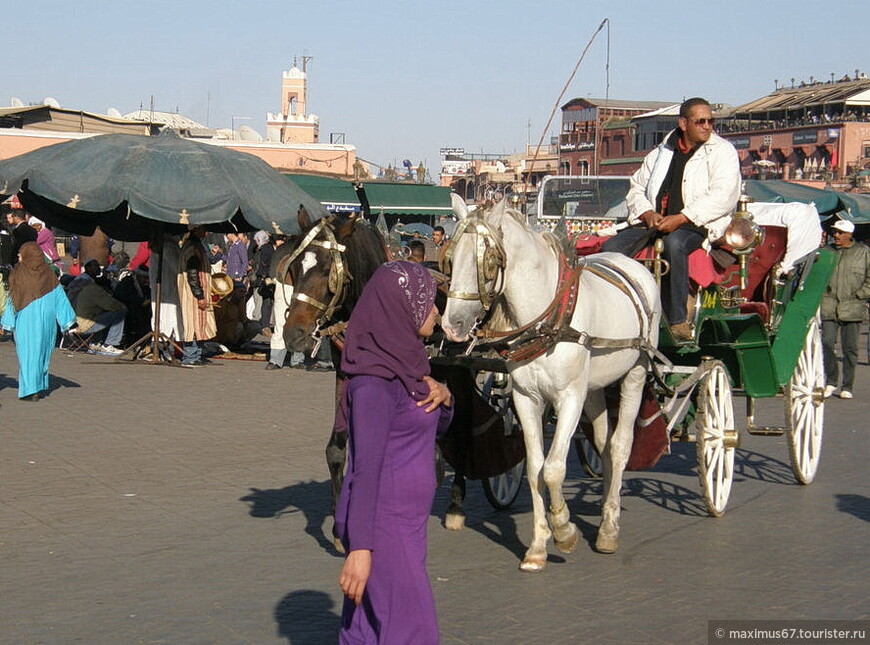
(553, 325)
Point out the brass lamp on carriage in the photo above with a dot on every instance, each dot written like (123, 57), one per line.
(741, 236)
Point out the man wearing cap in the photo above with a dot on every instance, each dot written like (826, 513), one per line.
(843, 306)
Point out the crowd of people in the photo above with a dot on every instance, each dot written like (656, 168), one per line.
(107, 307)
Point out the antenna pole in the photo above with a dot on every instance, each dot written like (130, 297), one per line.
(606, 21)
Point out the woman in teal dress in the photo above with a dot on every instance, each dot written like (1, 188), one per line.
(35, 307)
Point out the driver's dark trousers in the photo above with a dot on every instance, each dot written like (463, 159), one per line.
(678, 245)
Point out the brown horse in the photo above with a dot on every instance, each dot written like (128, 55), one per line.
(327, 270)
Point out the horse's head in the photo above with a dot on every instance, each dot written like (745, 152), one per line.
(327, 269)
(316, 272)
(475, 262)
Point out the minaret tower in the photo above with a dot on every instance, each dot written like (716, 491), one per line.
(292, 124)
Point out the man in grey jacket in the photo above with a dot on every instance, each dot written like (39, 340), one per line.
(685, 191)
(843, 306)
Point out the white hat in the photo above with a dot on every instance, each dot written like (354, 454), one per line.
(35, 220)
(844, 225)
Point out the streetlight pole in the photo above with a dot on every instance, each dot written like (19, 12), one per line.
(233, 123)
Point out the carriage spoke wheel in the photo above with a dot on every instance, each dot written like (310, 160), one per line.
(805, 407)
(588, 454)
(716, 438)
(501, 491)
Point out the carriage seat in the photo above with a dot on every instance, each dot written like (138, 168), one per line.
(703, 272)
(762, 260)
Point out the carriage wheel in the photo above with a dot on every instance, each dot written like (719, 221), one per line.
(716, 438)
(502, 490)
(588, 454)
(805, 407)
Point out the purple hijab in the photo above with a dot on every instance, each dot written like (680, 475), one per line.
(382, 337)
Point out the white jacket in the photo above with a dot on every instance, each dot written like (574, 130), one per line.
(711, 184)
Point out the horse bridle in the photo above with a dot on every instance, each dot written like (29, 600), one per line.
(338, 274)
(489, 261)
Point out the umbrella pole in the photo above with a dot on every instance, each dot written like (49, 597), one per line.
(155, 336)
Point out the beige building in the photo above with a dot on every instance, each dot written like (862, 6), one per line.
(291, 143)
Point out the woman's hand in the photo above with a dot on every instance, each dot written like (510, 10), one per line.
(355, 574)
(438, 395)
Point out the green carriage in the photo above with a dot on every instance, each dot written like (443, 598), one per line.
(756, 333)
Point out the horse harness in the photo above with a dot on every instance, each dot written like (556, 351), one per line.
(338, 273)
(489, 257)
(553, 325)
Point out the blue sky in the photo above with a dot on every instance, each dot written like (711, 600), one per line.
(403, 78)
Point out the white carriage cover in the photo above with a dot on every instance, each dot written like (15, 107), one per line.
(801, 221)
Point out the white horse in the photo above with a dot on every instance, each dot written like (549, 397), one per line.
(497, 260)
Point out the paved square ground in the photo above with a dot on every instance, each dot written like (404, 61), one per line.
(154, 504)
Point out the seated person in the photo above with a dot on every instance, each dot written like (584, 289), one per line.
(685, 191)
(233, 327)
(97, 312)
(134, 292)
(90, 270)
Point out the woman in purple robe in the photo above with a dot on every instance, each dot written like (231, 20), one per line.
(395, 410)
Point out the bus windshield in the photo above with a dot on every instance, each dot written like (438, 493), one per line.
(590, 205)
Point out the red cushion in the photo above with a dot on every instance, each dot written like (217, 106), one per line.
(589, 244)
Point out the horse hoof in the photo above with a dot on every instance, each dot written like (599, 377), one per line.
(568, 545)
(454, 522)
(532, 565)
(338, 545)
(605, 544)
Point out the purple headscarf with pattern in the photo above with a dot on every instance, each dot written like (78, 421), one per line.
(382, 337)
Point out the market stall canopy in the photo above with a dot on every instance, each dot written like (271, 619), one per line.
(857, 207)
(336, 195)
(127, 184)
(779, 191)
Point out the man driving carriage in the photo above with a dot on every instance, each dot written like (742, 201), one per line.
(685, 191)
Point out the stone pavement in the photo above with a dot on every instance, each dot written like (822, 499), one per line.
(152, 504)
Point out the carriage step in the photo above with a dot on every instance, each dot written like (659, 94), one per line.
(680, 435)
(768, 431)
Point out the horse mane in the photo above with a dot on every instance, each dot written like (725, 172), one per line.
(365, 252)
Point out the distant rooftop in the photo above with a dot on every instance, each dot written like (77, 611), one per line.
(619, 103)
(851, 92)
(173, 120)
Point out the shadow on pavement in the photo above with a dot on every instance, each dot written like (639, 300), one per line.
(306, 617)
(311, 497)
(754, 465)
(856, 505)
(671, 497)
(54, 382)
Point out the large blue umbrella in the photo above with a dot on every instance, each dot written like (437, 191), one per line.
(130, 185)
